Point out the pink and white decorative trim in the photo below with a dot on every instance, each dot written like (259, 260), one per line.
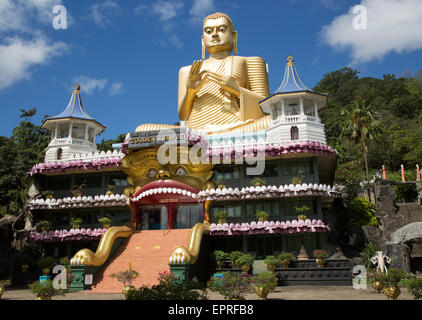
(96, 161)
(65, 235)
(117, 200)
(300, 190)
(268, 227)
(271, 149)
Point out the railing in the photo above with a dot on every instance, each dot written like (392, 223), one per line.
(299, 118)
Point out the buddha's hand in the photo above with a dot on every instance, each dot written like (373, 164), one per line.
(195, 80)
(228, 83)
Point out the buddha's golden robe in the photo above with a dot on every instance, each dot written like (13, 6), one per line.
(216, 111)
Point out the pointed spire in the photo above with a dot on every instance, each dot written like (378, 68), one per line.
(74, 108)
(291, 81)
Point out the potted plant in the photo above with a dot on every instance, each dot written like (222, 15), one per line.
(3, 284)
(285, 258)
(297, 180)
(105, 222)
(45, 290)
(77, 191)
(265, 282)
(45, 264)
(233, 286)
(76, 222)
(257, 182)
(221, 216)
(233, 256)
(220, 256)
(245, 262)
(271, 262)
(44, 225)
(320, 256)
(110, 189)
(47, 194)
(126, 277)
(390, 281)
(375, 278)
(414, 286)
(301, 211)
(262, 216)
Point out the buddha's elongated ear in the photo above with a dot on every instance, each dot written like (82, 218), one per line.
(235, 42)
(203, 48)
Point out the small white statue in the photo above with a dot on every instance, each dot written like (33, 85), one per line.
(379, 259)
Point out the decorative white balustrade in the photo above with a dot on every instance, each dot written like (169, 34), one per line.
(117, 200)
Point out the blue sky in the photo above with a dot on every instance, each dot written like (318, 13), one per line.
(126, 54)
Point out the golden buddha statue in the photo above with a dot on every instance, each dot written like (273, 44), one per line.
(220, 94)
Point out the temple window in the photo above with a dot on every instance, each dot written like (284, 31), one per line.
(78, 131)
(188, 215)
(278, 111)
(59, 154)
(294, 133)
(63, 131)
(292, 109)
(91, 134)
(300, 168)
(234, 210)
(271, 170)
(309, 108)
(226, 173)
(289, 207)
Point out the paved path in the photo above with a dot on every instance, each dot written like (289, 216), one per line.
(283, 293)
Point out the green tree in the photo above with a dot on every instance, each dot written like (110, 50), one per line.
(361, 125)
(106, 145)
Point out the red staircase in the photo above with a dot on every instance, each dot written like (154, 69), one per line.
(148, 251)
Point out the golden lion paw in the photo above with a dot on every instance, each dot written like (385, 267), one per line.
(180, 255)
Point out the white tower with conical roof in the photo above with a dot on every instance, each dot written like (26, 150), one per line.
(73, 131)
(294, 109)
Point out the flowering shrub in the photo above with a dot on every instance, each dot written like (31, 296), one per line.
(234, 255)
(320, 254)
(393, 277)
(267, 280)
(233, 286)
(414, 286)
(126, 277)
(168, 288)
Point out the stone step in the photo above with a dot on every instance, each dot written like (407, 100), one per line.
(148, 251)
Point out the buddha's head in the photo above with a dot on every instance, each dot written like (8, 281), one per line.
(218, 34)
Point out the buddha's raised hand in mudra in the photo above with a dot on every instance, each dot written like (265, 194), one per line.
(223, 90)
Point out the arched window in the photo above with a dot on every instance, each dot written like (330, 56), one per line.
(59, 154)
(294, 133)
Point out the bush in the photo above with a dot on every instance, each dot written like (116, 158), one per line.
(104, 221)
(64, 261)
(414, 286)
(405, 193)
(257, 181)
(220, 255)
(221, 215)
(361, 212)
(350, 175)
(393, 277)
(168, 288)
(272, 261)
(234, 256)
(368, 252)
(126, 277)
(45, 289)
(76, 221)
(286, 256)
(44, 224)
(234, 285)
(262, 215)
(320, 254)
(245, 259)
(267, 280)
(46, 262)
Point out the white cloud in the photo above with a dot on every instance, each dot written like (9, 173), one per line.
(89, 84)
(167, 10)
(18, 57)
(25, 46)
(116, 88)
(392, 26)
(101, 12)
(18, 15)
(202, 8)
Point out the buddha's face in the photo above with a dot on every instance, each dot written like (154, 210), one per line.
(218, 35)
